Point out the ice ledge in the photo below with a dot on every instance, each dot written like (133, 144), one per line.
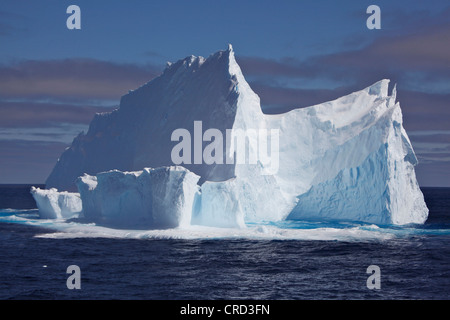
(379, 88)
(56, 205)
(147, 199)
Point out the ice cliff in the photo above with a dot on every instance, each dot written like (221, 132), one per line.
(57, 205)
(347, 159)
(151, 198)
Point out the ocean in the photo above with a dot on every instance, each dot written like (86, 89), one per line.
(286, 261)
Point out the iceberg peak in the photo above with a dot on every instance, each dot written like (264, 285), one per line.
(379, 88)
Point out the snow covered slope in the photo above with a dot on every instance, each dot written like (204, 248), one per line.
(347, 159)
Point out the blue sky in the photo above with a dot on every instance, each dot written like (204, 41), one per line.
(293, 53)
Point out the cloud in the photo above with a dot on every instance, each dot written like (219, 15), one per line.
(72, 79)
(37, 115)
(28, 161)
(433, 173)
(280, 99)
(43, 105)
(288, 67)
(419, 58)
(154, 54)
(424, 111)
(397, 57)
(421, 44)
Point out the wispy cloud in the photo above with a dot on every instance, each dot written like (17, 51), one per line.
(57, 96)
(45, 104)
(28, 161)
(399, 57)
(277, 99)
(38, 115)
(72, 79)
(418, 59)
(425, 111)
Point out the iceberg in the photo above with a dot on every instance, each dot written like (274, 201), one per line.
(151, 198)
(138, 134)
(347, 159)
(219, 206)
(350, 159)
(57, 205)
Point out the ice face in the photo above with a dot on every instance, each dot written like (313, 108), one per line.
(347, 159)
(351, 160)
(219, 206)
(151, 198)
(56, 205)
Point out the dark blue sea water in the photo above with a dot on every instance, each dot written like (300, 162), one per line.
(329, 261)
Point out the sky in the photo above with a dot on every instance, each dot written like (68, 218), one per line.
(293, 54)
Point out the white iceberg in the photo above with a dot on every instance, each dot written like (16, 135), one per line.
(347, 159)
(56, 205)
(350, 159)
(151, 198)
(219, 206)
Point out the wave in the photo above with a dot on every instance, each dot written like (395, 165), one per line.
(283, 230)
